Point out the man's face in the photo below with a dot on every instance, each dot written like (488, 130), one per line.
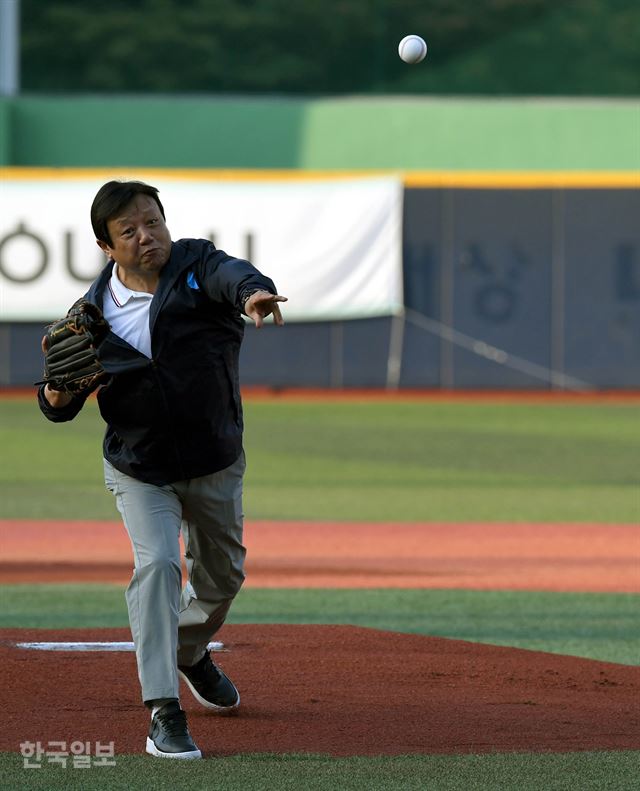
(140, 239)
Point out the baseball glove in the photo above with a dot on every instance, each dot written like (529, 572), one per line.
(71, 363)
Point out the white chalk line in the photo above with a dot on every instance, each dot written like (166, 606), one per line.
(96, 646)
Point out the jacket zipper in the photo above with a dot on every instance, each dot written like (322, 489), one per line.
(176, 447)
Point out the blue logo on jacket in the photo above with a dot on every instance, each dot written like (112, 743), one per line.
(192, 282)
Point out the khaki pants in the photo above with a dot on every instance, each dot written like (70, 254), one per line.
(171, 626)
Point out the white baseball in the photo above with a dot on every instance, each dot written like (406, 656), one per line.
(412, 49)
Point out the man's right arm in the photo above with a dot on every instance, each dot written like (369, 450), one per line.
(57, 399)
(57, 406)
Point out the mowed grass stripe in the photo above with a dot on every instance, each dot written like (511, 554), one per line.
(597, 626)
(367, 461)
(587, 771)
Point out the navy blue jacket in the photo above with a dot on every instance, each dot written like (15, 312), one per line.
(177, 415)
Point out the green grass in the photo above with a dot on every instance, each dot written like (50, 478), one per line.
(452, 462)
(599, 626)
(586, 771)
(363, 460)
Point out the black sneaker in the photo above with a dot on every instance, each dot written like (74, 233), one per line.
(169, 735)
(210, 686)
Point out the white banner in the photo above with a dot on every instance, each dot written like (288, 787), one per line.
(333, 247)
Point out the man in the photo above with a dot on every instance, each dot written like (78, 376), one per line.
(173, 454)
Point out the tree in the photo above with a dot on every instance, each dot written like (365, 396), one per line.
(331, 46)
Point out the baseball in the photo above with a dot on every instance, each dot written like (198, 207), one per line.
(412, 49)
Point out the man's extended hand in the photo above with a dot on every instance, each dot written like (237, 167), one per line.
(262, 304)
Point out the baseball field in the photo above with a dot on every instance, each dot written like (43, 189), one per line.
(442, 593)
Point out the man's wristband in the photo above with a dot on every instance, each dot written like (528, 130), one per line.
(246, 294)
(249, 292)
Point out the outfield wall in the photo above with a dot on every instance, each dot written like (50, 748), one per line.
(409, 133)
(534, 281)
(521, 242)
(529, 288)
(504, 287)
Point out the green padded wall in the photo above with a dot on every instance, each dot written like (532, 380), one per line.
(355, 133)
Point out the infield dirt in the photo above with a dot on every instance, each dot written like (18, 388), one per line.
(335, 690)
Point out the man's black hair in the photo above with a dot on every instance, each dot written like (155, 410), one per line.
(111, 199)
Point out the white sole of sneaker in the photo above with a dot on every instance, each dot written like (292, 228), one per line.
(204, 702)
(153, 750)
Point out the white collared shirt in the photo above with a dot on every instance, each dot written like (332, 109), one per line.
(127, 312)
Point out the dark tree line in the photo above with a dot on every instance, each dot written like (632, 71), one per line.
(493, 47)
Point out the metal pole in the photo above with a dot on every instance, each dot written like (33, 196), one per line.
(394, 358)
(447, 269)
(336, 354)
(9, 47)
(558, 267)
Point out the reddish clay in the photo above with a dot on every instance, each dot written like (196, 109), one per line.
(477, 556)
(336, 690)
(257, 393)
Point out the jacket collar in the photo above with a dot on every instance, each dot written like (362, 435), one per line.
(180, 259)
(122, 294)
